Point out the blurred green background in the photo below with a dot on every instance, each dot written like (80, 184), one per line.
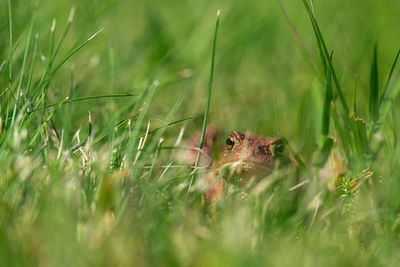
(261, 74)
(72, 210)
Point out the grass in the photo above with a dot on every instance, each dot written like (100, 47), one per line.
(203, 131)
(92, 121)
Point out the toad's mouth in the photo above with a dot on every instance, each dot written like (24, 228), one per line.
(244, 170)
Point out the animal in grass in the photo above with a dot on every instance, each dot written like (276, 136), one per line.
(244, 157)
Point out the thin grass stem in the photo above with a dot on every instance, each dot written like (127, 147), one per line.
(193, 176)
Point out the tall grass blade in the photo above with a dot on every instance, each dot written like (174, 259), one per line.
(297, 36)
(10, 58)
(362, 133)
(356, 136)
(33, 61)
(47, 77)
(89, 127)
(10, 52)
(327, 104)
(374, 87)
(21, 76)
(193, 177)
(390, 92)
(390, 76)
(28, 42)
(63, 35)
(319, 37)
(50, 73)
(132, 116)
(142, 112)
(84, 98)
(74, 51)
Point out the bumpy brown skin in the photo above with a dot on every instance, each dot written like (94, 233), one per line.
(249, 149)
(249, 156)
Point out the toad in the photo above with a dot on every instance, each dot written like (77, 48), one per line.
(244, 157)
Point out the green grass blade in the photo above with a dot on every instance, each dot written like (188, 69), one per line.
(28, 42)
(10, 56)
(321, 52)
(297, 36)
(390, 75)
(74, 51)
(33, 61)
(327, 104)
(63, 35)
(47, 76)
(172, 123)
(139, 121)
(51, 46)
(319, 43)
(390, 92)
(374, 88)
(10, 53)
(89, 128)
(84, 98)
(319, 37)
(21, 76)
(192, 179)
(362, 133)
(356, 136)
(121, 123)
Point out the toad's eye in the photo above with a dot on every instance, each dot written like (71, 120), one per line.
(230, 142)
(279, 148)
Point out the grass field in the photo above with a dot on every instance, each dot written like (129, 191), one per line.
(94, 96)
